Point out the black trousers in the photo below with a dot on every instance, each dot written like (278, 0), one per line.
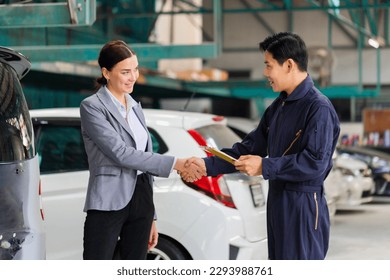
(131, 225)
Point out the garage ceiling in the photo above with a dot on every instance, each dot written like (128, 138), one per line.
(74, 30)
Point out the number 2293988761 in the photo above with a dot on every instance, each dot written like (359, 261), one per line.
(238, 270)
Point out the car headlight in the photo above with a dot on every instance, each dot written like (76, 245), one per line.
(348, 172)
(366, 172)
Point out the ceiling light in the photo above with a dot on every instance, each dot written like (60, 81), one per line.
(373, 43)
(376, 42)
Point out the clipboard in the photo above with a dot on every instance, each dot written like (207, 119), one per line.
(219, 154)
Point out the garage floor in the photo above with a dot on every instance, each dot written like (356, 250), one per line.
(362, 233)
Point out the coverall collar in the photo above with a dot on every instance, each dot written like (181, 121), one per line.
(300, 91)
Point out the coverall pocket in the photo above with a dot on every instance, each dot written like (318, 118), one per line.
(320, 140)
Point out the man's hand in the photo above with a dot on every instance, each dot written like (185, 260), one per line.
(249, 165)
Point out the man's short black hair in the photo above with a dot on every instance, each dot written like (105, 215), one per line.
(285, 45)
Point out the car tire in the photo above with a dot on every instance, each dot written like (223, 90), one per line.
(167, 250)
(382, 186)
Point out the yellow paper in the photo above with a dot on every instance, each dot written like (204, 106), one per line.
(219, 154)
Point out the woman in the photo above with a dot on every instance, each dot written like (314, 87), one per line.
(119, 202)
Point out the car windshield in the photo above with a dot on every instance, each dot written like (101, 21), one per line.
(16, 134)
(218, 136)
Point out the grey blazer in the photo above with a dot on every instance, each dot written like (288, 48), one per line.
(112, 157)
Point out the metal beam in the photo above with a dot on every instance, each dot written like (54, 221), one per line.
(259, 18)
(274, 8)
(344, 30)
(288, 4)
(145, 52)
(344, 20)
(386, 26)
(236, 89)
(371, 22)
(269, 4)
(189, 3)
(71, 13)
(259, 88)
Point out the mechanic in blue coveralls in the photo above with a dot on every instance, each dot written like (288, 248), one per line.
(292, 147)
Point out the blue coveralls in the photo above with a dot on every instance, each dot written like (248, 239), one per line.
(299, 134)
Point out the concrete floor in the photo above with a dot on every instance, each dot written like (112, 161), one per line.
(362, 233)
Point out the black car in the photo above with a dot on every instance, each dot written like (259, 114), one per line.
(21, 221)
(379, 163)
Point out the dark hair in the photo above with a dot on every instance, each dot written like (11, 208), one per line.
(285, 45)
(112, 53)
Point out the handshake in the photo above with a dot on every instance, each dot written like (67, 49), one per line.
(194, 168)
(191, 169)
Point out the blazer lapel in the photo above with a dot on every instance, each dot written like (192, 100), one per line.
(110, 106)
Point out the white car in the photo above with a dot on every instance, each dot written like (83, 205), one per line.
(213, 218)
(351, 182)
(241, 126)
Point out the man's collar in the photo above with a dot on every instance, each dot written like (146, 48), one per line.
(300, 91)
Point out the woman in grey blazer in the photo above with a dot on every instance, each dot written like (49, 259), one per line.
(119, 201)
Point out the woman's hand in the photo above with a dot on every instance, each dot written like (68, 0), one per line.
(153, 238)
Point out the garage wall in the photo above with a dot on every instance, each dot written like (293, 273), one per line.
(242, 33)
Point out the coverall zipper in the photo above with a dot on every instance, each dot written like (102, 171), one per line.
(292, 143)
(316, 202)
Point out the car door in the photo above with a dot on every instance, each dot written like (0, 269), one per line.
(64, 176)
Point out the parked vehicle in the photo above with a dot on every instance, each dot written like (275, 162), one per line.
(213, 218)
(377, 161)
(21, 225)
(384, 149)
(350, 182)
(241, 126)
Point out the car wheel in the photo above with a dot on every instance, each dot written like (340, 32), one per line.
(167, 250)
(381, 186)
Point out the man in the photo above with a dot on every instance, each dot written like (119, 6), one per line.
(292, 147)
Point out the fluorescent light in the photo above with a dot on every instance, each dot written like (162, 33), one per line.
(373, 43)
(376, 42)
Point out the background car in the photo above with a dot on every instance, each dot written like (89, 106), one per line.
(377, 161)
(384, 149)
(241, 126)
(349, 183)
(21, 227)
(212, 218)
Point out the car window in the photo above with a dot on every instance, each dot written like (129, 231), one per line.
(16, 134)
(61, 149)
(159, 145)
(218, 136)
(239, 132)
